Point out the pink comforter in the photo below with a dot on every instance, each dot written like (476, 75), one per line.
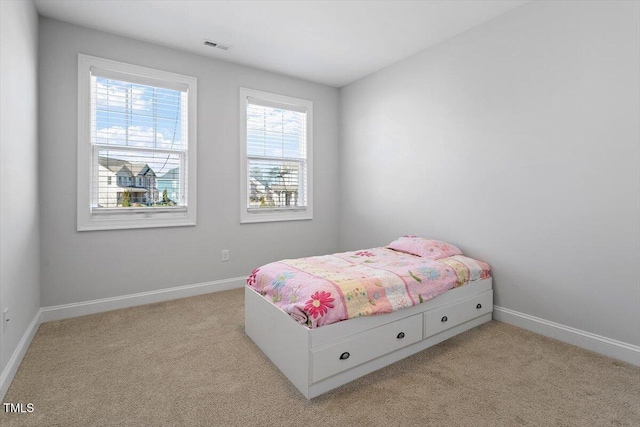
(326, 289)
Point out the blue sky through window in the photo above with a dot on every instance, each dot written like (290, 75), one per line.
(274, 132)
(136, 115)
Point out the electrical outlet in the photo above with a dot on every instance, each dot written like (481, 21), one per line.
(225, 255)
(5, 319)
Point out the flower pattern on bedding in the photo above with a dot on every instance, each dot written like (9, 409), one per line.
(319, 303)
(281, 279)
(326, 289)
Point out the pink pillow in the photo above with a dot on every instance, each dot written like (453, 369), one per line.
(426, 248)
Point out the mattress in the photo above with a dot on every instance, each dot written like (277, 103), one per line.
(321, 290)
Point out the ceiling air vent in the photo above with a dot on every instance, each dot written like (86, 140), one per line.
(216, 45)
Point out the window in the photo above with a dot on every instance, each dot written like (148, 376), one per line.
(138, 125)
(276, 157)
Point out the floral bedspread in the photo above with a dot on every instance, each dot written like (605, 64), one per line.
(326, 289)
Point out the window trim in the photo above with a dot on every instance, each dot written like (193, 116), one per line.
(87, 219)
(276, 214)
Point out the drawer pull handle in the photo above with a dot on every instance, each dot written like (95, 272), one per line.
(345, 355)
(400, 335)
(444, 319)
(479, 306)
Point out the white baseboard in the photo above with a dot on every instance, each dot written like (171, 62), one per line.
(16, 358)
(67, 311)
(609, 347)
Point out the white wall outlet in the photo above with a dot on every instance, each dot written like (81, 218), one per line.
(5, 320)
(225, 255)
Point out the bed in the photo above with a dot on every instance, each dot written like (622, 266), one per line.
(325, 321)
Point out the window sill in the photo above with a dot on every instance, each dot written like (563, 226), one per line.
(273, 215)
(133, 220)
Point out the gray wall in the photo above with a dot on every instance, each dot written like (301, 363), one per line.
(518, 141)
(81, 266)
(19, 226)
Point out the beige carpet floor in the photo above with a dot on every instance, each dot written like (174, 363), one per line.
(188, 363)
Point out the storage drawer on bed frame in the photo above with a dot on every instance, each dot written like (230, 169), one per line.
(441, 319)
(368, 345)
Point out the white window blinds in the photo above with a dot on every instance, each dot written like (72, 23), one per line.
(276, 155)
(139, 140)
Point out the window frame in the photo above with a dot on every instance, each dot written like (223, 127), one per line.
(130, 218)
(276, 214)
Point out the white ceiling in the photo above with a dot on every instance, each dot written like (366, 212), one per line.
(330, 42)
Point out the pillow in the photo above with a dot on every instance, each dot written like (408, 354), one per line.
(426, 248)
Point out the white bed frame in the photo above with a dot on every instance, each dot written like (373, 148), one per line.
(321, 359)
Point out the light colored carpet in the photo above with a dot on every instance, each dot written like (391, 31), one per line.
(188, 362)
